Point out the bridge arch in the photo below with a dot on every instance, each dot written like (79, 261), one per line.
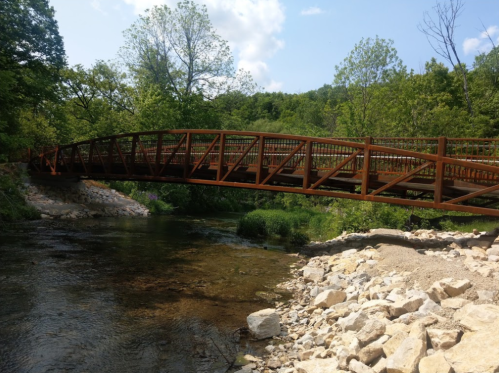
(443, 173)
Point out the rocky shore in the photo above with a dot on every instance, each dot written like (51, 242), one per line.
(387, 308)
(83, 199)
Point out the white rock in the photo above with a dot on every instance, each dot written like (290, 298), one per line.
(355, 321)
(454, 303)
(443, 339)
(329, 365)
(453, 288)
(477, 317)
(264, 323)
(329, 298)
(313, 274)
(406, 358)
(477, 352)
(429, 306)
(394, 343)
(358, 367)
(370, 331)
(434, 364)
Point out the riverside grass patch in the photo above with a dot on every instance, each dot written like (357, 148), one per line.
(264, 223)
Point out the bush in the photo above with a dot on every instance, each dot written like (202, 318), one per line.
(13, 206)
(268, 223)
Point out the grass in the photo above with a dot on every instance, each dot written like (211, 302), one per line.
(263, 223)
(481, 226)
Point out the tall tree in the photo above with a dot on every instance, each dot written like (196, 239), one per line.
(31, 55)
(179, 50)
(440, 35)
(369, 67)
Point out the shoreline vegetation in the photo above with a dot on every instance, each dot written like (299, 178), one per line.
(296, 218)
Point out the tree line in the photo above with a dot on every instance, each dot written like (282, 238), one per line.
(174, 71)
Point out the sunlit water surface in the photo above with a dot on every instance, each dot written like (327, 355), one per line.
(160, 294)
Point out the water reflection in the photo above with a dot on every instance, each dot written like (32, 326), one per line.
(162, 294)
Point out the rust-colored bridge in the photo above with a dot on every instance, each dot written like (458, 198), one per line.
(443, 173)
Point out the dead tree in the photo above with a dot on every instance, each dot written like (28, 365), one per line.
(440, 35)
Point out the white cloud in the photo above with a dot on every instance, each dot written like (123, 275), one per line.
(313, 10)
(249, 26)
(96, 4)
(481, 44)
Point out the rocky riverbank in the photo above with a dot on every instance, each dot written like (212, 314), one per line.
(389, 309)
(83, 199)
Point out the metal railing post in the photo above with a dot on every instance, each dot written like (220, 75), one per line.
(366, 167)
(308, 165)
(439, 177)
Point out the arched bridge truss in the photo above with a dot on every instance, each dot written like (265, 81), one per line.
(443, 173)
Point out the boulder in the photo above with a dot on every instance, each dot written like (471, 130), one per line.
(358, 367)
(371, 352)
(453, 288)
(429, 306)
(406, 358)
(355, 321)
(454, 303)
(264, 323)
(394, 343)
(435, 363)
(477, 317)
(494, 250)
(329, 298)
(443, 339)
(313, 274)
(329, 365)
(370, 331)
(477, 352)
(406, 305)
(436, 292)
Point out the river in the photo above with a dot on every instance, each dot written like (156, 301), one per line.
(158, 294)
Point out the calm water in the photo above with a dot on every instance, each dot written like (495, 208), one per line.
(162, 294)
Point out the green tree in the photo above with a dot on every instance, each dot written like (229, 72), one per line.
(370, 67)
(179, 50)
(31, 55)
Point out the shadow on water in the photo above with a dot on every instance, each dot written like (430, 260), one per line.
(162, 294)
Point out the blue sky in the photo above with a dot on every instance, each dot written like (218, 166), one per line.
(287, 45)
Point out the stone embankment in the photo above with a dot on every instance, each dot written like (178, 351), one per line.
(387, 309)
(84, 199)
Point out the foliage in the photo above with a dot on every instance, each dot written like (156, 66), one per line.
(179, 51)
(481, 226)
(31, 55)
(265, 223)
(13, 207)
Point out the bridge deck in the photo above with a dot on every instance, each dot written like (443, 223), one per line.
(450, 174)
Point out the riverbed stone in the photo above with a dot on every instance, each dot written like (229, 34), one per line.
(477, 352)
(477, 317)
(264, 323)
(355, 321)
(329, 365)
(453, 288)
(359, 367)
(406, 358)
(454, 303)
(329, 298)
(394, 342)
(443, 339)
(435, 363)
(370, 331)
(313, 274)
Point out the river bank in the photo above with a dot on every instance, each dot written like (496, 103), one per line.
(390, 308)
